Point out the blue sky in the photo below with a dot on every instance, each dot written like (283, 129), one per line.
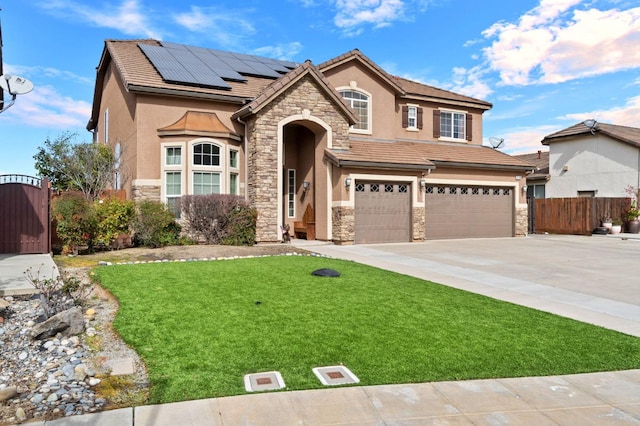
(544, 64)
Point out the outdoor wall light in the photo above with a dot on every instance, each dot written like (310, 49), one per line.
(524, 188)
(423, 183)
(347, 182)
(305, 185)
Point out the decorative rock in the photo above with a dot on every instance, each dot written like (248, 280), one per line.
(8, 393)
(94, 382)
(90, 312)
(3, 304)
(69, 322)
(53, 397)
(23, 356)
(21, 416)
(91, 332)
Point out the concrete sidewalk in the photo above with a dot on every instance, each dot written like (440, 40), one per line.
(584, 399)
(12, 272)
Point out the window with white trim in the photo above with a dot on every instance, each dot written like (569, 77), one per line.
(207, 168)
(205, 183)
(452, 125)
(233, 172)
(291, 192)
(412, 117)
(361, 105)
(173, 156)
(173, 191)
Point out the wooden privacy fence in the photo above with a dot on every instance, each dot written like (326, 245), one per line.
(579, 216)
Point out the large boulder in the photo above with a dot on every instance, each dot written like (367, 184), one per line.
(69, 323)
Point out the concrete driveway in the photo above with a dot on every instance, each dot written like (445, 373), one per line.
(592, 279)
(13, 280)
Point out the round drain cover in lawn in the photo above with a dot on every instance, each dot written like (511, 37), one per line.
(326, 272)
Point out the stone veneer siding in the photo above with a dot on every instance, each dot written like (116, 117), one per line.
(145, 192)
(418, 219)
(522, 222)
(343, 219)
(262, 148)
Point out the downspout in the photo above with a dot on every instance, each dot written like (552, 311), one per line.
(246, 161)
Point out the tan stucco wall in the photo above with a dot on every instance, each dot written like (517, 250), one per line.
(387, 106)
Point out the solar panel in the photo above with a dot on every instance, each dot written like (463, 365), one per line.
(178, 63)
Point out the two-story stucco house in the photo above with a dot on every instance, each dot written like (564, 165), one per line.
(376, 157)
(592, 159)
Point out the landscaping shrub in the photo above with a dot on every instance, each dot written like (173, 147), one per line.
(76, 221)
(219, 218)
(154, 225)
(114, 217)
(241, 227)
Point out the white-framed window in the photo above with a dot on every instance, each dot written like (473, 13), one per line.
(106, 125)
(361, 104)
(205, 183)
(535, 191)
(291, 192)
(173, 191)
(173, 156)
(233, 172)
(412, 117)
(453, 125)
(173, 177)
(207, 168)
(206, 154)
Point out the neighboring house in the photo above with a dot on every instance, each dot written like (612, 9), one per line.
(537, 180)
(593, 159)
(377, 157)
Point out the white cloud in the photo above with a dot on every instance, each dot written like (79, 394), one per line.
(46, 72)
(626, 115)
(526, 140)
(556, 42)
(286, 51)
(127, 17)
(352, 14)
(46, 108)
(469, 82)
(227, 28)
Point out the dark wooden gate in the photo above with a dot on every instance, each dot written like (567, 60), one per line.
(25, 226)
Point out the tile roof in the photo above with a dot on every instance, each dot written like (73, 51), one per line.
(200, 123)
(630, 135)
(284, 82)
(540, 160)
(137, 71)
(421, 89)
(426, 155)
(403, 86)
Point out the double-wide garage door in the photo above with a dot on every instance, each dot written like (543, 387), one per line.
(382, 212)
(468, 212)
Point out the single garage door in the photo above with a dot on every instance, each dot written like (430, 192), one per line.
(382, 212)
(468, 212)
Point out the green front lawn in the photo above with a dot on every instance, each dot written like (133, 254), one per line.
(199, 328)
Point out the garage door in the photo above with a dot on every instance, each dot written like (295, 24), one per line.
(382, 212)
(468, 212)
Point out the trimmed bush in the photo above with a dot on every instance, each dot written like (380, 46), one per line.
(219, 218)
(114, 217)
(75, 221)
(154, 225)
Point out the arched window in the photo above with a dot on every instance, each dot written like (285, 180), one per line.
(360, 103)
(206, 154)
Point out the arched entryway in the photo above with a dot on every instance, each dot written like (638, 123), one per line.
(305, 176)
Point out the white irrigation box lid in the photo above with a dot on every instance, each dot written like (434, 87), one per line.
(335, 375)
(270, 380)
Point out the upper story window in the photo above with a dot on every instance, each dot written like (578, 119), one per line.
(411, 117)
(360, 102)
(452, 125)
(206, 154)
(173, 156)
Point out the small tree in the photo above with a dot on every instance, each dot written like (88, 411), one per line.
(87, 167)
